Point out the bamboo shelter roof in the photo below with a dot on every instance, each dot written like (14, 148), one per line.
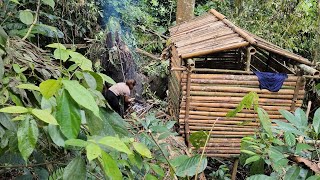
(213, 33)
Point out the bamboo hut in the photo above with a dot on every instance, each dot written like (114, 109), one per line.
(212, 64)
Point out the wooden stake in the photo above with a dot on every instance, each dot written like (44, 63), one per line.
(234, 170)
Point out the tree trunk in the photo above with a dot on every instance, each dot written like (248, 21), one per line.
(185, 10)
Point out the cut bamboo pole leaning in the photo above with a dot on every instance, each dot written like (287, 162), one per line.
(300, 81)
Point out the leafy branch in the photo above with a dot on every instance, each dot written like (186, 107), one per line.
(34, 21)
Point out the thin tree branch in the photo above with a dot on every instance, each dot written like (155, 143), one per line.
(34, 21)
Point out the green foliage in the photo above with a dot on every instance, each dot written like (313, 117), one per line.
(250, 100)
(288, 24)
(198, 139)
(26, 17)
(189, 167)
(221, 174)
(110, 167)
(68, 115)
(57, 174)
(276, 153)
(27, 134)
(75, 170)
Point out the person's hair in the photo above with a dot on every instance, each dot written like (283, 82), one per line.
(131, 82)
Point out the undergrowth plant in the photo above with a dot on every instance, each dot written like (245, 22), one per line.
(280, 147)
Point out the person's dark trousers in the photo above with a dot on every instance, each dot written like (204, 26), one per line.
(113, 101)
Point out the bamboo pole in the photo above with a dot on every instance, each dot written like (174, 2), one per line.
(309, 70)
(223, 155)
(218, 49)
(190, 65)
(232, 82)
(249, 77)
(238, 90)
(285, 53)
(201, 93)
(232, 105)
(249, 52)
(208, 109)
(199, 127)
(238, 99)
(226, 133)
(230, 122)
(300, 81)
(223, 114)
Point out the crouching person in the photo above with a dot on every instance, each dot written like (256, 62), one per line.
(117, 91)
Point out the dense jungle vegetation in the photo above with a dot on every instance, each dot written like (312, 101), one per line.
(54, 121)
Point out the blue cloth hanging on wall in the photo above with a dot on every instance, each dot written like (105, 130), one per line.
(271, 81)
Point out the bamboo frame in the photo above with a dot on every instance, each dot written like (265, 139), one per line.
(190, 65)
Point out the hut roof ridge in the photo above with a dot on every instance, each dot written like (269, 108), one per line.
(213, 32)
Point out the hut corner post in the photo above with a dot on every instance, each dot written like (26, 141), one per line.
(190, 66)
(249, 52)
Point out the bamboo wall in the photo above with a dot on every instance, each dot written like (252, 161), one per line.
(213, 95)
(174, 86)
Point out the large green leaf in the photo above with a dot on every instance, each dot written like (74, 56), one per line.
(142, 149)
(5, 121)
(116, 143)
(252, 159)
(150, 177)
(189, 166)
(110, 167)
(27, 137)
(290, 117)
(76, 142)
(84, 63)
(157, 169)
(26, 17)
(110, 124)
(315, 177)
(288, 128)
(49, 87)
(265, 121)
(93, 151)
(81, 95)
(68, 115)
(29, 87)
(301, 147)
(261, 177)
(292, 173)
(61, 54)
(316, 121)
(90, 80)
(302, 119)
(44, 116)
(14, 109)
(99, 81)
(56, 135)
(49, 2)
(107, 79)
(76, 170)
(290, 139)
(56, 46)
